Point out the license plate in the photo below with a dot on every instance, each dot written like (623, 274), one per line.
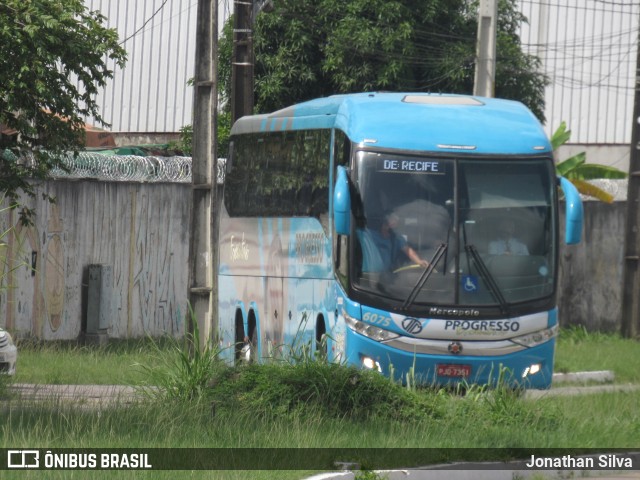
(452, 370)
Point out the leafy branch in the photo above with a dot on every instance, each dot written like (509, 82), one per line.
(577, 171)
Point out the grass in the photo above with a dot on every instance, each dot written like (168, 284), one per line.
(203, 404)
(579, 350)
(474, 421)
(461, 422)
(67, 362)
(183, 369)
(330, 390)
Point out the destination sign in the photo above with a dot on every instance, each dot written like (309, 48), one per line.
(418, 166)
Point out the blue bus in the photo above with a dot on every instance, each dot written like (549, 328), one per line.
(414, 234)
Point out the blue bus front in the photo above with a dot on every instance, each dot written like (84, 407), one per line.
(448, 269)
(432, 353)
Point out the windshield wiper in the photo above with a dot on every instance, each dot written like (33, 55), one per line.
(425, 275)
(488, 278)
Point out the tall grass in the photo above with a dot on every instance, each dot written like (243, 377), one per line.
(336, 391)
(462, 422)
(184, 370)
(318, 404)
(299, 382)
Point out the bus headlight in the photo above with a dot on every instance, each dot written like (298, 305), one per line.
(536, 338)
(371, 364)
(531, 370)
(369, 331)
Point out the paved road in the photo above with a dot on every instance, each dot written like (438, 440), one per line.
(87, 394)
(470, 474)
(128, 394)
(577, 390)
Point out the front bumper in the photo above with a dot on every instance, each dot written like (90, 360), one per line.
(512, 369)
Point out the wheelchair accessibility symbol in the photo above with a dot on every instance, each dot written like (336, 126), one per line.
(470, 283)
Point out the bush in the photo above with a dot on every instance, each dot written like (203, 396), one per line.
(332, 389)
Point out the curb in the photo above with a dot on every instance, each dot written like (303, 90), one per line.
(565, 391)
(600, 376)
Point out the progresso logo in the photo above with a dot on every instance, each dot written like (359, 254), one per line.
(482, 325)
(412, 325)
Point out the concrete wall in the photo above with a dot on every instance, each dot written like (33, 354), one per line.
(141, 230)
(591, 273)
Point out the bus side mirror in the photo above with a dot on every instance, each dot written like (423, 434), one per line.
(573, 212)
(342, 203)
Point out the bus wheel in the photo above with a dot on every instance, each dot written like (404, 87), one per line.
(250, 347)
(321, 339)
(239, 337)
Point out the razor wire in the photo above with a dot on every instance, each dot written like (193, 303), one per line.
(124, 168)
(153, 169)
(119, 168)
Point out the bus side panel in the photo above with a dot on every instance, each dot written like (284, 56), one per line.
(280, 268)
(228, 305)
(309, 277)
(250, 277)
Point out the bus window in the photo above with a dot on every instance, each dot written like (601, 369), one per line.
(415, 192)
(507, 219)
(279, 174)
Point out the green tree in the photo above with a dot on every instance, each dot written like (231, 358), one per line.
(55, 55)
(225, 51)
(577, 171)
(310, 48)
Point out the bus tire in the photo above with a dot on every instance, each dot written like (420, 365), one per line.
(321, 338)
(250, 347)
(239, 336)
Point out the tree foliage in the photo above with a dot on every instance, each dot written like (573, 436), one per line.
(310, 48)
(55, 55)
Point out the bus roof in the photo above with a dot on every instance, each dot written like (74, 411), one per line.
(414, 121)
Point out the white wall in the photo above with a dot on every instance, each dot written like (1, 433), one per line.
(150, 94)
(588, 49)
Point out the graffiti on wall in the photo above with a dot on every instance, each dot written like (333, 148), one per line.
(140, 230)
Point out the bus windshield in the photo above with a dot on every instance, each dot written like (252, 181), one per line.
(453, 231)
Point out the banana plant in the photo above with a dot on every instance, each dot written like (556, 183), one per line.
(577, 171)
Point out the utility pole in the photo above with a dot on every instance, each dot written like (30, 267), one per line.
(242, 60)
(242, 64)
(203, 251)
(485, 78)
(631, 279)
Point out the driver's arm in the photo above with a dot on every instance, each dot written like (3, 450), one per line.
(414, 257)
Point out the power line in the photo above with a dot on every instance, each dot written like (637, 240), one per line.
(585, 8)
(145, 23)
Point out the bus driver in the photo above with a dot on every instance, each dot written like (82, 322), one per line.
(383, 249)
